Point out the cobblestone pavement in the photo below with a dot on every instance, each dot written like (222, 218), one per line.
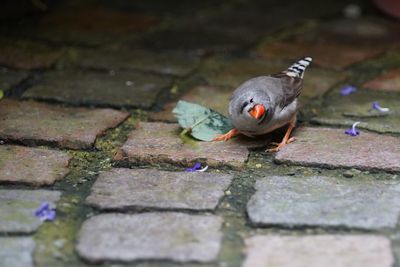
(86, 126)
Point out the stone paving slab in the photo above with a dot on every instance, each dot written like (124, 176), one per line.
(160, 142)
(389, 81)
(121, 88)
(317, 251)
(10, 78)
(76, 128)
(360, 30)
(357, 39)
(122, 189)
(150, 236)
(33, 166)
(172, 63)
(325, 201)
(17, 209)
(324, 54)
(90, 25)
(26, 54)
(368, 151)
(16, 251)
(345, 110)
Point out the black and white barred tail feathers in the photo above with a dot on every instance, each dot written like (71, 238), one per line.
(298, 68)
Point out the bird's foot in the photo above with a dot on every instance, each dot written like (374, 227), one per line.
(279, 146)
(227, 136)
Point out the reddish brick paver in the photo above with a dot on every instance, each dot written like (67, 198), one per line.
(33, 166)
(389, 81)
(77, 128)
(318, 250)
(332, 148)
(27, 54)
(92, 25)
(123, 88)
(176, 64)
(324, 54)
(160, 142)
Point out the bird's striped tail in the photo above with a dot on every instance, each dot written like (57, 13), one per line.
(298, 68)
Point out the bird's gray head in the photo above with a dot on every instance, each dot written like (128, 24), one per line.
(250, 105)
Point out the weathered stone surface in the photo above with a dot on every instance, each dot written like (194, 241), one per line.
(319, 250)
(356, 39)
(360, 30)
(24, 54)
(91, 25)
(150, 236)
(177, 64)
(121, 189)
(216, 98)
(17, 209)
(368, 151)
(235, 72)
(67, 127)
(9, 78)
(325, 201)
(323, 53)
(79, 87)
(160, 142)
(389, 81)
(16, 251)
(345, 110)
(200, 39)
(34, 166)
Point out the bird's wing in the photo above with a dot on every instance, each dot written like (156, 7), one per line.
(291, 88)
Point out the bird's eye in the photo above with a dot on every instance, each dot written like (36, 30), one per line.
(251, 100)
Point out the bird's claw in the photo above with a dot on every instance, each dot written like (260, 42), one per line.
(222, 137)
(227, 136)
(279, 146)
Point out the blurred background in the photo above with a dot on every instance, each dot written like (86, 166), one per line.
(45, 45)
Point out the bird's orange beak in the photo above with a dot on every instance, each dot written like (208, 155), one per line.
(257, 111)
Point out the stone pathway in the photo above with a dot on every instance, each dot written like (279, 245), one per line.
(86, 126)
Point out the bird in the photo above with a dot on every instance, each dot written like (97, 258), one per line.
(263, 104)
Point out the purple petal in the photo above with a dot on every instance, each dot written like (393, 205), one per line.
(375, 105)
(353, 131)
(347, 90)
(50, 215)
(196, 167)
(42, 209)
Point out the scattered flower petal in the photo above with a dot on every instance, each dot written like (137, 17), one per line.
(203, 170)
(45, 213)
(197, 168)
(376, 106)
(353, 131)
(347, 90)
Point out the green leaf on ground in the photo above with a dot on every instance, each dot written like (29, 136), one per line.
(1, 94)
(201, 122)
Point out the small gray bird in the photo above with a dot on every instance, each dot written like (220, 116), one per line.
(263, 104)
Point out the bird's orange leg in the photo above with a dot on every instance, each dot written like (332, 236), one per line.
(286, 139)
(227, 136)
